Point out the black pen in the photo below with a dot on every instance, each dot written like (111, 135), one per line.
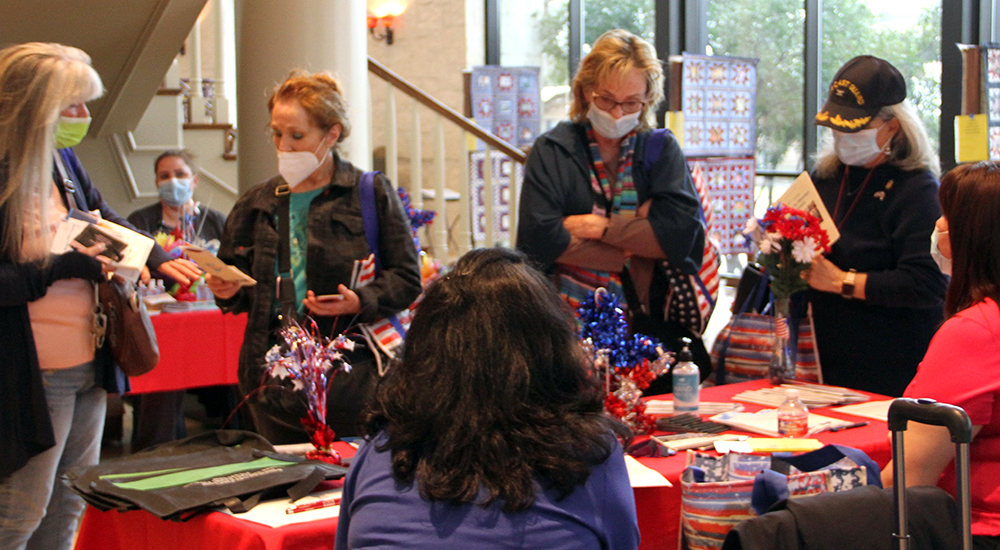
(848, 426)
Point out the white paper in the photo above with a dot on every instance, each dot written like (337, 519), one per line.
(803, 195)
(210, 263)
(876, 410)
(644, 476)
(272, 512)
(766, 421)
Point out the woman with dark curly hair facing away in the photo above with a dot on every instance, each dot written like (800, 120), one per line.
(490, 432)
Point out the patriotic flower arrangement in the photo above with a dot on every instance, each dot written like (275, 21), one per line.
(309, 361)
(786, 241)
(626, 364)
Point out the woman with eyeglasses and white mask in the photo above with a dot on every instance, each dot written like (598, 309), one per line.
(878, 295)
(591, 214)
(312, 210)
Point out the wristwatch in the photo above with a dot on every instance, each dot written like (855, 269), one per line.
(847, 287)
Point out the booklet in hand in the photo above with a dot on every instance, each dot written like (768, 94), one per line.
(128, 250)
(92, 235)
(210, 263)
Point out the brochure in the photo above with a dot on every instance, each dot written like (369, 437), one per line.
(127, 249)
(804, 196)
(210, 263)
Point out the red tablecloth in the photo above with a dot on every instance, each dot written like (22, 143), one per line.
(197, 348)
(658, 507)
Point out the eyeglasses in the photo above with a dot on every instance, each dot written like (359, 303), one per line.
(607, 104)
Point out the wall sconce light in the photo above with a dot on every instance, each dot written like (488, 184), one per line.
(386, 22)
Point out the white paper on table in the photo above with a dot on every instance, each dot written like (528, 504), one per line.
(876, 410)
(644, 476)
(766, 421)
(272, 512)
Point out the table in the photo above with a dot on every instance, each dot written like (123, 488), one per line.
(197, 348)
(658, 507)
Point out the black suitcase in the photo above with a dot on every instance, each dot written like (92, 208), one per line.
(928, 411)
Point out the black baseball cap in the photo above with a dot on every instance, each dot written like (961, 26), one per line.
(859, 90)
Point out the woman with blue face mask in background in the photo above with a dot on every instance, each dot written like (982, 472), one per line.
(878, 295)
(596, 209)
(177, 213)
(159, 416)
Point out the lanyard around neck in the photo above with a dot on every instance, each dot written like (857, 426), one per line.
(857, 199)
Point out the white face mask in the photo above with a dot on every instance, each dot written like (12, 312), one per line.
(857, 149)
(296, 166)
(942, 262)
(608, 126)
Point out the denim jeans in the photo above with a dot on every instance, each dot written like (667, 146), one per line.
(37, 511)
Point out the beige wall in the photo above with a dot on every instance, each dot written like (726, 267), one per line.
(429, 50)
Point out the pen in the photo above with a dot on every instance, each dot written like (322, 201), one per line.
(315, 505)
(849, 426)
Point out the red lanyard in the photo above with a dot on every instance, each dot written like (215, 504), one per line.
(857, 199)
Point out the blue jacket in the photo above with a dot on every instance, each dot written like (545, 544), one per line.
(557, 184)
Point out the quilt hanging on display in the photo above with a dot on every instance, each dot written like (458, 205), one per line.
(730, 190)
(718, 100)
(992, 82)
(507, 176)
(507, 102)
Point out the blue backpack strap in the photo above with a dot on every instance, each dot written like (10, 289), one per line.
(369, 215)
(654, 148)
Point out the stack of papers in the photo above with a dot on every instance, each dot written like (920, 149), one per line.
(766, 422)
(660, 406)
(876, 410)
(811, 395)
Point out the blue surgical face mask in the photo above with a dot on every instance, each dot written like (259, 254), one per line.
(176, 191)
(942, 262)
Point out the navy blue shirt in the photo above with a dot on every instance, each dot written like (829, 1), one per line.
(378, 512)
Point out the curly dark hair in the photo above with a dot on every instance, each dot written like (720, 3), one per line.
(493, 392)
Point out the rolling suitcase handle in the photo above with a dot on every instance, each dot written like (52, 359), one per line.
(928, 411)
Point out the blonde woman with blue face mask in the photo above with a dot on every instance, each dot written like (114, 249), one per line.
(593, 199)
(878, 295)
(311, 213)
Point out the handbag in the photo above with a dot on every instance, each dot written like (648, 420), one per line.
(717, 492)
(127, 328)
(743, 349)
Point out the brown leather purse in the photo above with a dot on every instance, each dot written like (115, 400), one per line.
(128, 328)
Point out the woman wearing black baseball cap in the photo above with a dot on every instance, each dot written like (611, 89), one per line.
(878, 295)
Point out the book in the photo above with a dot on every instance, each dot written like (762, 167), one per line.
(803, 195)
(210, 263)
(131, 253)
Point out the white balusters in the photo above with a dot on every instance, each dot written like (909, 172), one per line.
(441, 228)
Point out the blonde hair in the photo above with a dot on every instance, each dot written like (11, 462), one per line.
(614, 54)
(320, 95)
(37, 81)
(911, 148)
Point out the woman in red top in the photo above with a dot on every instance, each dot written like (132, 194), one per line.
(962, 364)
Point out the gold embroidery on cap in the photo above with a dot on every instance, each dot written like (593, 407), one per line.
(837, 120)
(889, 185)
(850, 86)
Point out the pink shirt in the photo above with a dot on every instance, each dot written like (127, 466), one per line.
(62, 320)
(962, 367)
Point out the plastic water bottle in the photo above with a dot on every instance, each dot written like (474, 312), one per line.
(793, 416)
(686, 381)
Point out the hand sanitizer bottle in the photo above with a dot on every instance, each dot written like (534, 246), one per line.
(686, 381)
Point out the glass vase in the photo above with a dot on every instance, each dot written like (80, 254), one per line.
(782, 365)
